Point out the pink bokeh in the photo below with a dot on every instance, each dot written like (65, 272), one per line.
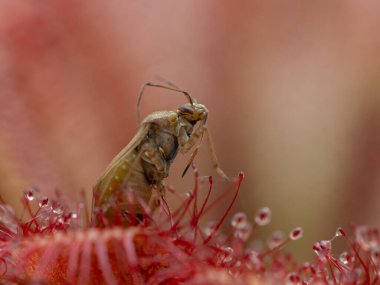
(292, 91)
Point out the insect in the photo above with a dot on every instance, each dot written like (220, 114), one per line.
(144, 163)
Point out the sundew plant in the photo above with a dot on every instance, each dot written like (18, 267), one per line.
(52, 244)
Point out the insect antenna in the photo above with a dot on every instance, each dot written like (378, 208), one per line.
(151, 84)
(167, 82)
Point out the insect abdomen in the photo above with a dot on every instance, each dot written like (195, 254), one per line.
(110, 192)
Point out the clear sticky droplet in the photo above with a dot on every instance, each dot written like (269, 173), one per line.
(322, 249)
(239, 220)
(296, 233)
(339, 232)
(375, 255)
(293, 278)
(275, 239)
(43, 202)
(346, 258)
(244, 233)
(228, 255)
(70, 216)
(209, 228)
(30, 194)
(255, 261)
(60, 222)
(308, 268)
(367, 237)
(263, 216)
(56, 207)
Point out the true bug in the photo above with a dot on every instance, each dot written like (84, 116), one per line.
(144, 163)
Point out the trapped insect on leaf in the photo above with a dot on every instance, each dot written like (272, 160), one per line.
(144, 163)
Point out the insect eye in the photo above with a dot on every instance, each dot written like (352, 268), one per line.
(186, 109)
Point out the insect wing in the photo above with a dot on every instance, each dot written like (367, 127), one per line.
(120, 164)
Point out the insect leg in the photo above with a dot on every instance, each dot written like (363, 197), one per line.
(187, 142)
(156, 168)
(154, 165)
(214, 158)
(195, 152)
(196, 136)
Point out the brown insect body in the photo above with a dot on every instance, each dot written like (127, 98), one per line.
(144, 163)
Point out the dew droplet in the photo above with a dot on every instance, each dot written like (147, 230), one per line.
(346, 258)
(239, 220)
(30, 194)
(375, 255)
(275, 239)
(244, 233)
(228, 254)
(60, 221)
(69, 216)
(209, 228)
(293, 278)
(56, 207)
(43, 202)
(308, 268)
(367, 237)
(296, 233)
(255, 261)
(322, 249)
(339, 232)
(263, 216)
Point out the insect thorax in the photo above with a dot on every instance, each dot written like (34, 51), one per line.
(156, 164)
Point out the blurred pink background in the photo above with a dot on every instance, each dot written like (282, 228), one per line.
(293, 93)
